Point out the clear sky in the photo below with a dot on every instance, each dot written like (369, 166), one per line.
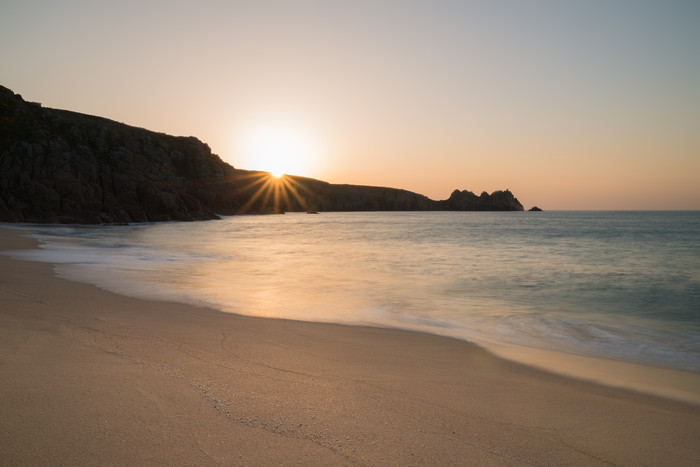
(590, 104)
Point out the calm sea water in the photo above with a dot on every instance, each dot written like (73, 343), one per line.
(619, 285)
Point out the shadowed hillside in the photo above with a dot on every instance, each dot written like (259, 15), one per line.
(58, 166)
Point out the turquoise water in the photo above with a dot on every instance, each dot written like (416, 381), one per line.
(619, 285)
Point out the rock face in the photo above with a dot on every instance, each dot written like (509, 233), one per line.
(58, 166)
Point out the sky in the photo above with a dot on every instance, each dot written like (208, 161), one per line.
(591, 104)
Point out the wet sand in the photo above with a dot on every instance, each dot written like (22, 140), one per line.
(92, 378)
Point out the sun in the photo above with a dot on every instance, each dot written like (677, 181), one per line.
(278, 149)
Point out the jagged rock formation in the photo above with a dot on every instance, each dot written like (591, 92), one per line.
(496, 201)
(58, 166)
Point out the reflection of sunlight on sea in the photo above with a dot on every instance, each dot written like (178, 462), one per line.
(615, 285)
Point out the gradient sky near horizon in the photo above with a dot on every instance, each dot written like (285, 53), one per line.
(589, 104)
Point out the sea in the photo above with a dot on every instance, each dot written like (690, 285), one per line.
(616, 285)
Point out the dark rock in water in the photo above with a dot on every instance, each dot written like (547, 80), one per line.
(535, 209)
(58, 166)
(496, 201)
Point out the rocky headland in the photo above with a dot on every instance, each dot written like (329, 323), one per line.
(58, 166)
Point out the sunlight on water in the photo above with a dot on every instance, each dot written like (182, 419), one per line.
(615, 285)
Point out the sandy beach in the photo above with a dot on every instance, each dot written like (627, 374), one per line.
(88, 377)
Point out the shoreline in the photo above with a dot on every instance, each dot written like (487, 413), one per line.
(92, 377)
(668, 382)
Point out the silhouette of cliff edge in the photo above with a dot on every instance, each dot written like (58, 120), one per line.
(58, 166)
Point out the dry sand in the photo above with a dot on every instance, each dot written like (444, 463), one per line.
(92, 378)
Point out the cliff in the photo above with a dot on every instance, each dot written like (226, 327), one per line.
(58, 166)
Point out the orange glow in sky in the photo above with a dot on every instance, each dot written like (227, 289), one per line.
(570, 105)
